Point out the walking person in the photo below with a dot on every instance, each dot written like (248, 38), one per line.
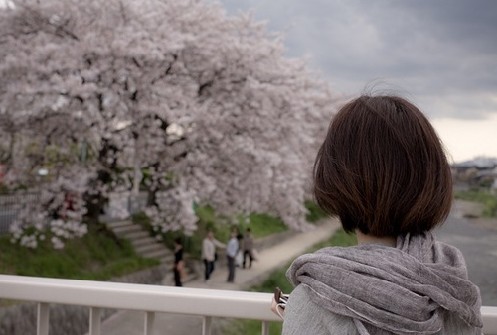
(248, 245)
(231, 250)
(179, 264)
(383, 171)
(209, 245)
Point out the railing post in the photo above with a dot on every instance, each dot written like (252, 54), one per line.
(149, 323)
(95, 319)
(206, 325)
(265, 328)
(43, 318)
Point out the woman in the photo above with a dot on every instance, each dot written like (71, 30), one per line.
(179, 263)
(248, 246)
(382, 170)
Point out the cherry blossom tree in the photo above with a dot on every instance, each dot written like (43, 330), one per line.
(174, 97)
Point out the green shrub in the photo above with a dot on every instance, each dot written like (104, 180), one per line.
(314, 212)
(490, 207)
(262, 224)
(484, 197)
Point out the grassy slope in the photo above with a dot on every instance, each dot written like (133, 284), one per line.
(96, 256)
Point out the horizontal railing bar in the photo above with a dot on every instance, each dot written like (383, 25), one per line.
(489, 316)
(141, 297)
(154, 298)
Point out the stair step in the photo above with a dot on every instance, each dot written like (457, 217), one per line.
(135, 235)
(116, 224)
(144, 245)
(146, 248)
(157, 254)
(127, 229)
(142, 241)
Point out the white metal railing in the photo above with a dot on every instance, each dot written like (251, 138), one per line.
(152, 299)
(148, 298)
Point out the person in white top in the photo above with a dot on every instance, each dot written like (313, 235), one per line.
(209, 245)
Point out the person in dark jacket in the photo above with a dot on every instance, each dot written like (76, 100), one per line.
(248, 246)
(179, 263)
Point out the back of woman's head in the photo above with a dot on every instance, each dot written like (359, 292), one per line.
(382, 169)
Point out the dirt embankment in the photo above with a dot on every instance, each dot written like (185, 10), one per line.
(473, 212)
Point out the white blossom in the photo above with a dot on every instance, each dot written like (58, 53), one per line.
(202, 107)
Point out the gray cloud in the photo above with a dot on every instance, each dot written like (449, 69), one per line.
(443, 52)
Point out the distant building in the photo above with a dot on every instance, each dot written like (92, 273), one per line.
(478, 172)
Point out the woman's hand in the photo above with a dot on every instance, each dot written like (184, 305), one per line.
(277, 309)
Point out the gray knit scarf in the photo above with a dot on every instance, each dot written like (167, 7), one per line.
(404, 290)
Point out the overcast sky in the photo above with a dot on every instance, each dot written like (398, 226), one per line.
(441, 54)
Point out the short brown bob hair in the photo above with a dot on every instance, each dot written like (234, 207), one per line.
(382, 169)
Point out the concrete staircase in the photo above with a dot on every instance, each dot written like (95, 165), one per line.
(143, 244)
(148, 247)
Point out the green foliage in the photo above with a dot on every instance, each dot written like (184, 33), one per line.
(140, 218)
(262, 224)
(484, 197)
(4, 189)
(278, 279)
(52, 155)
(314, 213)
(208, 220)
(99, 255)
(250, 327)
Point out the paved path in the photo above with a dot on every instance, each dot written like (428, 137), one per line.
(131, 323)
(477, 240)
